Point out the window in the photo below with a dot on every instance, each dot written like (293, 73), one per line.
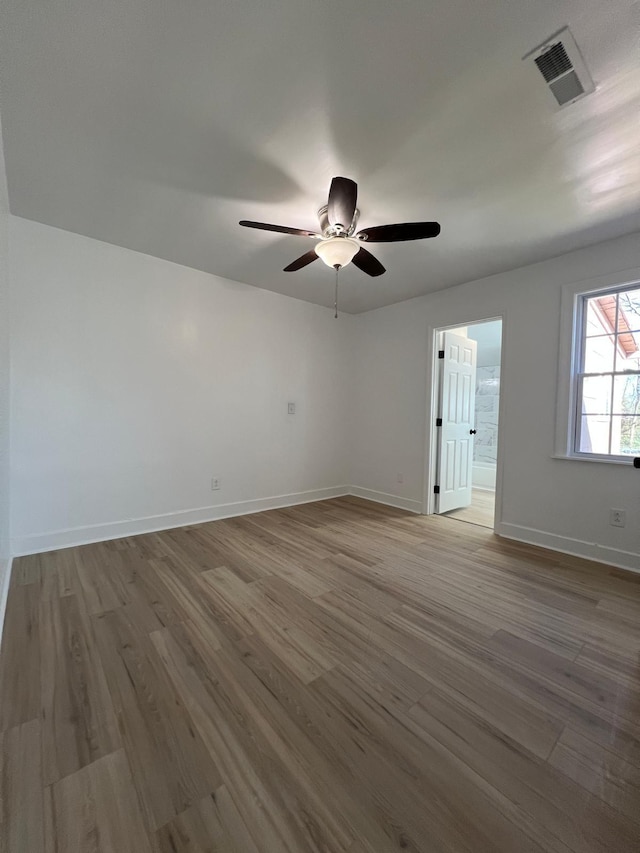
(606, 415)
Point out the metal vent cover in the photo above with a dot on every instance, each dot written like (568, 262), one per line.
(567, 88)
(562, 67)
(554, 62)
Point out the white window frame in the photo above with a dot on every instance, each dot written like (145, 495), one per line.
(570, 352)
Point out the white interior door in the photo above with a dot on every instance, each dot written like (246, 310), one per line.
(457, 411)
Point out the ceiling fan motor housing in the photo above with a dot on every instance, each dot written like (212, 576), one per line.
(329, 230)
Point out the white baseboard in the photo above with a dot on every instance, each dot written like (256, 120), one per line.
(576, 547)
(384, 498)
(5, 577)
(54, 540)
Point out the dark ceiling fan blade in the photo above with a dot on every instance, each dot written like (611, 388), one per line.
(367, 263)
(302, 261)
(281, 229)
(343, 196)
(397, 233)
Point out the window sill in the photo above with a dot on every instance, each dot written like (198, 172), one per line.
(600, 459)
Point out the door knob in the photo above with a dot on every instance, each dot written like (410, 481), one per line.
(472, 432)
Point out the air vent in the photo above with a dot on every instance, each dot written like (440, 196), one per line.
(554, 62)
(561, 64)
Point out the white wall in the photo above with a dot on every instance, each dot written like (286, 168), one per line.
(4, 385)
(136, 380)
(558, 503)
(389, 404)
(488, 336)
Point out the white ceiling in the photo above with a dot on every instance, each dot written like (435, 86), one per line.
(157, 125)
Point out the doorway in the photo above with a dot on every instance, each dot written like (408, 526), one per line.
(466, 415)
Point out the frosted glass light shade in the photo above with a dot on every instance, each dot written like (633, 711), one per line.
(337, 251)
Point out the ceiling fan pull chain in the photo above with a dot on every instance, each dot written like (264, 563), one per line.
(335, 304)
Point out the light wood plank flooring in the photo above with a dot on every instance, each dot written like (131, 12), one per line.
(480, 511)
(337, 677)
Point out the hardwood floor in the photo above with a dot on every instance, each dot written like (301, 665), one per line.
(334, 677)
(480, 511)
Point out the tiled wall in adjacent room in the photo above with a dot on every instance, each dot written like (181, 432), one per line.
(485, 446)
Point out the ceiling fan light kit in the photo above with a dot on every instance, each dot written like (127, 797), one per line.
(337, 245)
(337, 251)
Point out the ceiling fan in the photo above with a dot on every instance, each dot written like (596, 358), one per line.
(337, 244)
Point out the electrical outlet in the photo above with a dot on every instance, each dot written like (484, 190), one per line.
(291, 408)
(401, 478)
(215, 484)
(617, 517)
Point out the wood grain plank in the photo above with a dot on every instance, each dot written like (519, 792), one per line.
(20, 659)
(431, 810)
(27, 569)
(170, 766)
(211, 824)
(95, 810)
(231, 599)
(100, 586)
(312, 726)
(181, 590)
(242, 760)
(54, 573)
(21, 799)
(578, 678)
(78, 720)
(539, 797)
(603, 772)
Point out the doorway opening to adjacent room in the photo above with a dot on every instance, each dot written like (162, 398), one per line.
(463, 477)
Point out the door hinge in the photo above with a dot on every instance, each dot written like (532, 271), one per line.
(436, 490)
(440, 353)
(438, 421)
